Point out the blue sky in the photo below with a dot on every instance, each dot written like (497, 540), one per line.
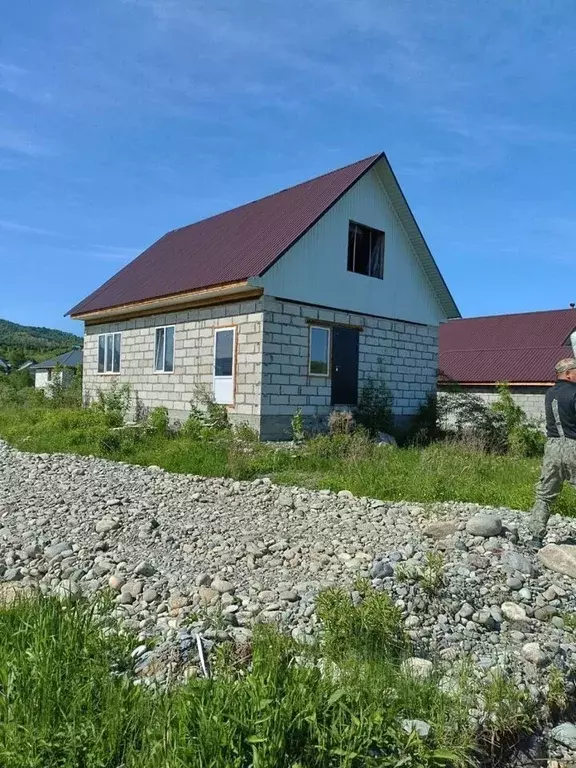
(122, 119)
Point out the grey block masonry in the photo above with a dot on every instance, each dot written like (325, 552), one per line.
(529, 398)
(272, 345)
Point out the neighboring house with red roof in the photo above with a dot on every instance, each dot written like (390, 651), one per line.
(481, 352)
(290, 302)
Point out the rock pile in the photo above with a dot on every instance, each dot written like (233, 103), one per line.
(184, 555)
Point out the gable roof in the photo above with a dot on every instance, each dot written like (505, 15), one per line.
(245, 242)
(519, 348)
(66, 360)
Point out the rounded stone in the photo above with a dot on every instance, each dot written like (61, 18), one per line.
(533, 653)
(116, 582)
(417, 667)
(513, 612)
(484, 526)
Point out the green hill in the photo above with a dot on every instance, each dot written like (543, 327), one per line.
(20, 342)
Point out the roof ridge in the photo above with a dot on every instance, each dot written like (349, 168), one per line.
(516, 314)
(245, 242)
(370, 159)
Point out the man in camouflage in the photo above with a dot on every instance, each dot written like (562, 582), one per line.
(559, 462)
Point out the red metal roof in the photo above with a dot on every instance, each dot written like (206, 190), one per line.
(226, 248)
(522, 348)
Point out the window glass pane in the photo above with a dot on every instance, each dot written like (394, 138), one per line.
(108, 352)
(116, 366)
(365, 250)
(351, 246)
(377, 255)
(159, 355)
(319, 350)
(224, 356)
(362, 254)
(101, 352)
(169, 350)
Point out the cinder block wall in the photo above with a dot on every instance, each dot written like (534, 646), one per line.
(193, 359)
(530, 399)
(272, 379)
(405, 355)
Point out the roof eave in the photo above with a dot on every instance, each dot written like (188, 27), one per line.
(214, 294)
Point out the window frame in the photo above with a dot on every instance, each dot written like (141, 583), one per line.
(164, 328)
(371, 230)
(327, 329)
(107, 350)
(232, 376)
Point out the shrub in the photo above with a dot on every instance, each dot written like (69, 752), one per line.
(349, 447)
(468, 419)
(65, 389)
(502, 427)
(207, 419)
(245, 433)
(297, 424)
(524, 437)
(341, 423)
(424, 426)
(374, 410)
(109, 441)
(213, 414)
(114, 403)
(21, 397)
(194, 426)
(158, 421)
(366, 629)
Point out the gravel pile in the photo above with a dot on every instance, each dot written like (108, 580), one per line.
(185, 555)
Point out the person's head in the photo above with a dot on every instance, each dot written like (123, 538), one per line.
(566, 369)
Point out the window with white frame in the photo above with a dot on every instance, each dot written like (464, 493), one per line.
(109, 352)
(224, 353)
(319, 357)
(365, 250)
(164, 349)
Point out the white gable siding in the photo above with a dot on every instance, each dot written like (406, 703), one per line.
(315, 269)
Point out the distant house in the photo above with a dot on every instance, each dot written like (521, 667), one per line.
(26, 364)
(5, 366)
(291, 302)
(44, 371)
(521, 349)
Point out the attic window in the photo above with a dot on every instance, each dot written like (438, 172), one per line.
(365, 250)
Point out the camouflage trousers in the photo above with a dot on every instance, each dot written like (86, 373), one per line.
(558, 466)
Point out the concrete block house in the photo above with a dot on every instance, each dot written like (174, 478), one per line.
(61, 367)
(290, 302)
(521, 350)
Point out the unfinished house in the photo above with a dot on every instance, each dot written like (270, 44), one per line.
(289, 302)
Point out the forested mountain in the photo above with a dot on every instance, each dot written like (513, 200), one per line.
(20, 342)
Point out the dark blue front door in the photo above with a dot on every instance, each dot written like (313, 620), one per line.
(344, 366)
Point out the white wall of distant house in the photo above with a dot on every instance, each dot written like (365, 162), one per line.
(41, 378)
(45, 377)
(315, 270)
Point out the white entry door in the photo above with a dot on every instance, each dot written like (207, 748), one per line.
(224, 347)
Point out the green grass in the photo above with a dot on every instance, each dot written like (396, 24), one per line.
(440, 472)
(66, 699)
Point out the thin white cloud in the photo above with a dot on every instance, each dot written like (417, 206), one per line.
(111, 253)
(21, 143)
(13, 226)
(22, 83)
